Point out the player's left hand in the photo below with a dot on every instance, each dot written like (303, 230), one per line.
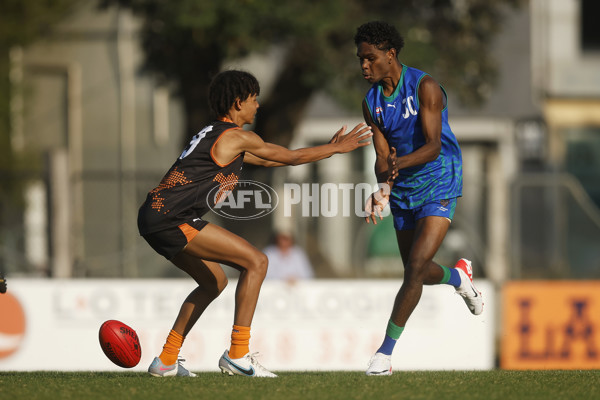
(376, 203)
(352, 140)
(336, 135)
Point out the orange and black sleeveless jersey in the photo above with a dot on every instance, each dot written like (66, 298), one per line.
(194, 183)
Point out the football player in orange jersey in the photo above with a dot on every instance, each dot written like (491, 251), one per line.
(171, 218)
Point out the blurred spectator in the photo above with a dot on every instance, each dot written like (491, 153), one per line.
(287, 261)
(2, 283)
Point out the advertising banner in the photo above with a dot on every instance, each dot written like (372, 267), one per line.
(551, 325)
(312, 325)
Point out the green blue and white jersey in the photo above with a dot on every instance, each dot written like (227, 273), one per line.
(397, 118)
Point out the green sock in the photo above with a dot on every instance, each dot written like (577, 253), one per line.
(447, 274)
(392, 334)
(394, 331)
(451, 276)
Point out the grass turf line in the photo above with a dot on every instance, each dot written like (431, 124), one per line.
(438, 385)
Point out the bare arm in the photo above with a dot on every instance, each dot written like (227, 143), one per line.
(382, 149)
(238, 140)
(379, 199)
(430, 112)
(250, 158)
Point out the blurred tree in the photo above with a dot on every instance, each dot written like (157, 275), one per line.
(187, 42)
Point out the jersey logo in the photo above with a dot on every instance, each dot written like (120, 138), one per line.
(379, 117)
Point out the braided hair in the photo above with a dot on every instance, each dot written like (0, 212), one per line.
(227, 87)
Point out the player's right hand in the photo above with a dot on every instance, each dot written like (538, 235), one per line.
(392, 167)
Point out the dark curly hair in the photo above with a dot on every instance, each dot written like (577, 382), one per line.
(228, 86)
(380, 34)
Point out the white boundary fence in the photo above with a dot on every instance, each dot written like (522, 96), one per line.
(313, 325)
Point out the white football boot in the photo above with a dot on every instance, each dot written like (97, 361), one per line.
(380, 364)
(157, 368)
(467, 290)
(245, 366)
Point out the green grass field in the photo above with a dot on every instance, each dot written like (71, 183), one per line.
(439, 385)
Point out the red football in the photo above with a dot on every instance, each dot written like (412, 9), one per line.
(120, 343)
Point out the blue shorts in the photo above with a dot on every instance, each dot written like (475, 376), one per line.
(405, 219)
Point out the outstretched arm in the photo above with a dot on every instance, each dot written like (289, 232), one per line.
(250, 158)
(269, 154)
